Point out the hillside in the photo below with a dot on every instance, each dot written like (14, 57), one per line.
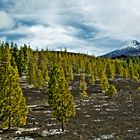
(106, 95)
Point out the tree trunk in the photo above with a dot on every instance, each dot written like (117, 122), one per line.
(62, 126)
(9, 123)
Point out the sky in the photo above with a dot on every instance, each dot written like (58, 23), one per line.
(95, 27)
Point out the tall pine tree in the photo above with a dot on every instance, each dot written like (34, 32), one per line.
(83, 86)
(59, 96)
(13, 109)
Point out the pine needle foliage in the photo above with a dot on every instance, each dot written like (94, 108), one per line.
(59, 96)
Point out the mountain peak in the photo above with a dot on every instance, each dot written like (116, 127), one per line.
(132, 45)
(131, 49)
(135, 43)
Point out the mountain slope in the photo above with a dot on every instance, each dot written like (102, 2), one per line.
(131, 49)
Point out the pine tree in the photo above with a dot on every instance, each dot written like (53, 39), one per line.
(40, 80)
(21, 63)
(31, 72)
(89, 68)
(111, 91)
(15, 53)
(126, 72)
(81, 64)
(83, 86)
(119, 68)
(6, 56)
(13, 62)
(131, 69)
(46, 76)
(59, 96)
(110, 71)
(44, 69)
(104, 81)
(1, 47)
(70, 72)
(43, 66)
(13, 109)
(92, 79)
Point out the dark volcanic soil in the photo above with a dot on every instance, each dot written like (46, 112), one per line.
(98, 117)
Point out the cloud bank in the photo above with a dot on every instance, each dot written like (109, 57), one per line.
(92, 26)
(6, 21)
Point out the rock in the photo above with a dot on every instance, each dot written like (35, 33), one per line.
(23, 138)
(51, 132)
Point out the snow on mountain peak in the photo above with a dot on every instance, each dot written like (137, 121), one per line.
(134, 44)
(131, 49)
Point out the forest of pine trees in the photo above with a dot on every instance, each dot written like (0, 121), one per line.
(54, 70)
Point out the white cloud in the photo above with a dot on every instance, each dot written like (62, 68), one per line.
(6, 20)
(114, 19)
(53, 37)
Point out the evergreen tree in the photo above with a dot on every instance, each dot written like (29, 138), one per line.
(70, 72)
(119, 67)
(31, 72)
(104, 81)
(89, 68)
(131, 69)
(1, 47)
(43, 66)
(15, 53)
(44, 69)
(40, 80)
(81, 64)
(13, 109)
(6, 56)
(111, 91)
(83, 86)
(46, 76)
(21, 63)
(126, 72)
(110, 71)
(13, 62)
(59, 96)
(92, 79)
